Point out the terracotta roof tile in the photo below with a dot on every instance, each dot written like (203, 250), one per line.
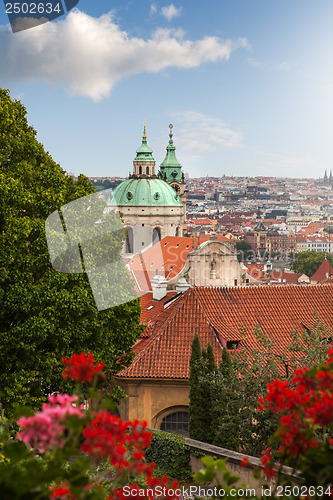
(168, 257)
(290, 277)
(324, 271)
(223, 314)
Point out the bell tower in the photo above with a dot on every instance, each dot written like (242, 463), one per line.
(171, 172)
(144, 162)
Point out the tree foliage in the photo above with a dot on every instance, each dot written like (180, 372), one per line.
(196, 404)
(244, 250)
(308, 262)
(44, 314)
(225, 405)
(202, 369)
(226, 399)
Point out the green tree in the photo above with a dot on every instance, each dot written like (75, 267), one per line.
(308, 262)
(196, 407)
(211, 365)
(202, 372)
(225, 396)
(44, 314)
(244, 250)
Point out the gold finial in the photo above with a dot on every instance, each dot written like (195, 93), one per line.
(171, 133)
(214, 224)
(144, 129)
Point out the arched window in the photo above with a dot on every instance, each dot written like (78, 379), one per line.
(140, 170)
(177, 231)
(129, 240)
(156, 235)
(176, 423)
(147, 170)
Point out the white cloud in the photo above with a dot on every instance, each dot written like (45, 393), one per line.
(170, 11)
(153, 8)
(88, 55)
(280, 165)
(271, 65)
(197, 134)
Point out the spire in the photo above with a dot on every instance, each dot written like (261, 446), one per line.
(144, 136)
(170, 168)
(325, 176)
(144, 153)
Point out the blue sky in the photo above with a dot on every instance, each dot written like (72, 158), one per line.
(247, 84)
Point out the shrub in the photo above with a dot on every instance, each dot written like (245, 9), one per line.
(171, 455)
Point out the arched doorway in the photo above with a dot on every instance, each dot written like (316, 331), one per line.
(129, 240)
(176, 423)
(156, 235)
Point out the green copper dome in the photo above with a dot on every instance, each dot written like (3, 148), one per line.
(144, 192)
(170, 168)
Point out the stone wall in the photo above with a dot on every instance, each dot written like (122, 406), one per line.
(233, 463)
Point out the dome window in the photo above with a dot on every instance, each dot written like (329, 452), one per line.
(129, 195)
(156, 196)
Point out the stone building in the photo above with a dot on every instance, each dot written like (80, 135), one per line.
(157, 381)
(151, 207)
(271, 241)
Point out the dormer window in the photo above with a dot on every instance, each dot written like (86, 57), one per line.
(232, 344)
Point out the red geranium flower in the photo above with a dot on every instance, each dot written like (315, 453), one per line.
(82, 367)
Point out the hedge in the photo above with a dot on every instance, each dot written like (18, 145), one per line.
(171, 455)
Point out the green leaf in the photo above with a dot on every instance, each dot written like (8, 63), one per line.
(15, 451)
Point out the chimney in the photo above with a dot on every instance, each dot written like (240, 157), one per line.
(159, 286)
(182, 285)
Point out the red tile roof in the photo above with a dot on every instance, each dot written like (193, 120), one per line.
(224, 314)
(290, 277)
(257, 271)
(168, 257)
(200, 222)
(324, 271)
(151, 308)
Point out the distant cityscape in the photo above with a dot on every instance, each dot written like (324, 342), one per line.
(295, 214)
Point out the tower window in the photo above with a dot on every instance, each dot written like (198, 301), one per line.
(140, 170)
(129, 240)
(156, 235)
(147, 170)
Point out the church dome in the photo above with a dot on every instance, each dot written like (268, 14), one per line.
(144, 192)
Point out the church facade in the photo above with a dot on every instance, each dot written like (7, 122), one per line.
(152, 205)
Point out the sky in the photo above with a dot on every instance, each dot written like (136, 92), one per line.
(247, 84)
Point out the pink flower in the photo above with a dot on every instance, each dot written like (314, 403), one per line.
(45, 430)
